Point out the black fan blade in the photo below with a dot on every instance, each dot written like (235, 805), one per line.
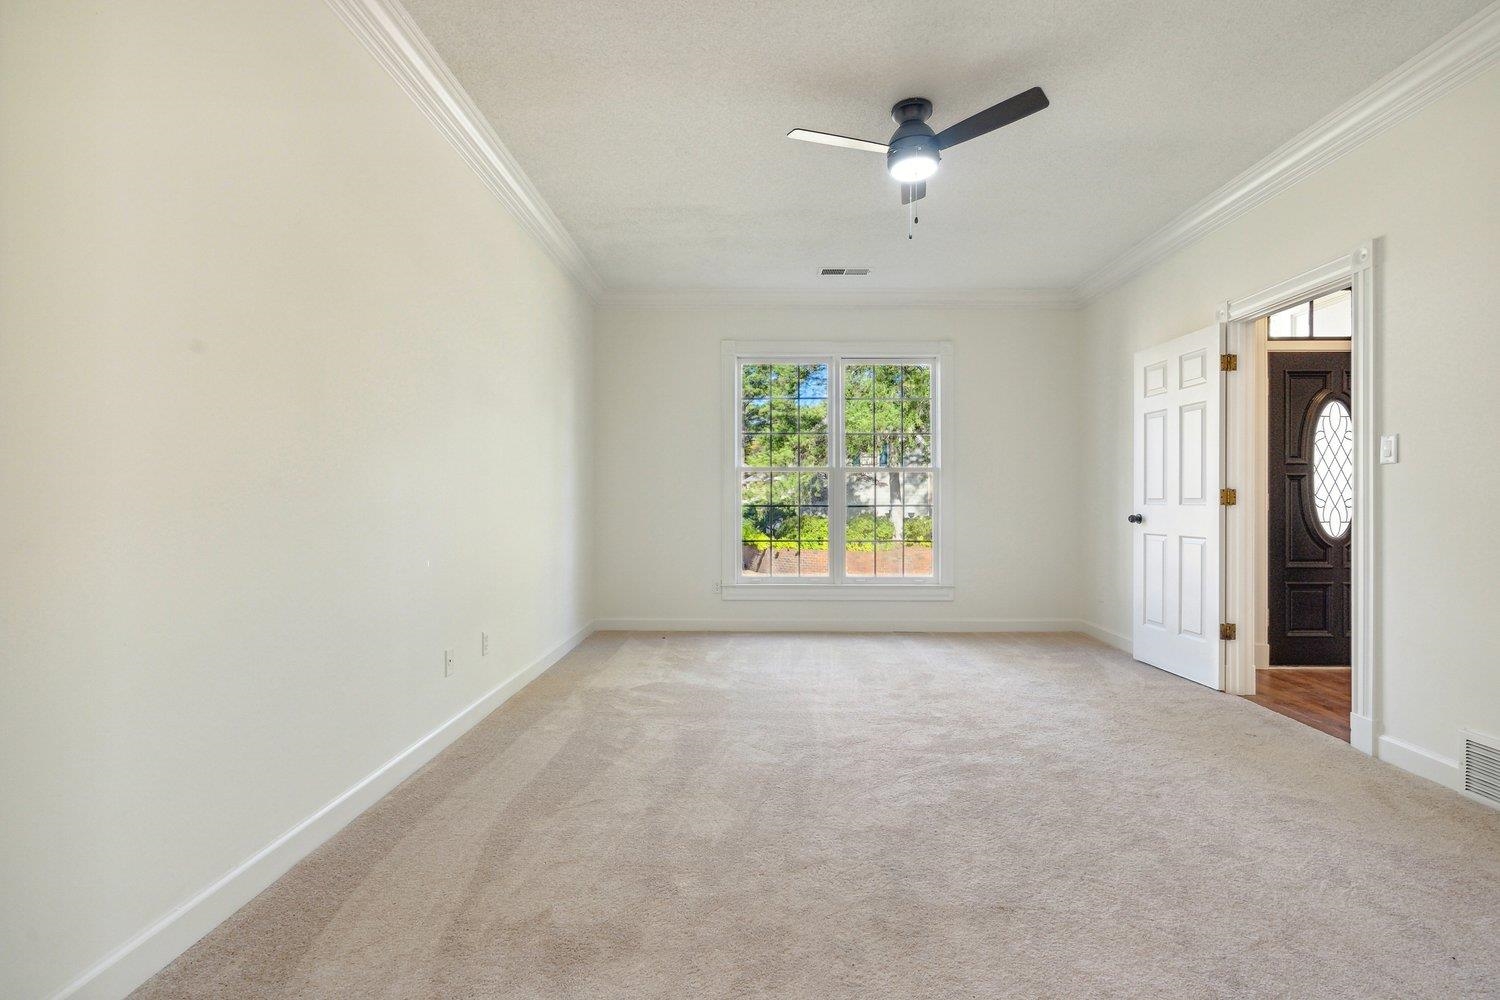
(912, 192)
(1028, 102)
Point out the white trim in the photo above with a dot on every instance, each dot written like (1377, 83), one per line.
(1421, 762)
(150, 950)
(1461, 54)
(1244, 410)
(1362, 733)
(1104, 635)
(388, 31)
(1035, 298)
(838, 625)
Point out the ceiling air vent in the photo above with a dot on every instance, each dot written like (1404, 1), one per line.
(849, 271)
(1482, 768)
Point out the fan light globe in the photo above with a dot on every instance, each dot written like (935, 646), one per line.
(918, 165)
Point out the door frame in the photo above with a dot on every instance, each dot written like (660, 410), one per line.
(1243, 408)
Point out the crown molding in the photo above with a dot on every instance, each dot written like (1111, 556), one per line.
(387, 30)
(1033, 298)
(1464, 52)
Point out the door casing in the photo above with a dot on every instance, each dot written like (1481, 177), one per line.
(1244, 412)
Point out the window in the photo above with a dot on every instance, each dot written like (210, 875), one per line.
(836, 479)
(1333, 469)
(1327, 317)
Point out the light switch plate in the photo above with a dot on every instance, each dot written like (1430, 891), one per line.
(1390, 452)
(447, 663)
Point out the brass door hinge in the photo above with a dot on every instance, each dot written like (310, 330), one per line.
(1229, 496)
(1226, 631)
(1229, 362)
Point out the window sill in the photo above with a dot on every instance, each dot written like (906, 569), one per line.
(857, 592)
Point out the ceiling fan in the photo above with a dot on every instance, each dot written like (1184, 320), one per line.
(913, 153)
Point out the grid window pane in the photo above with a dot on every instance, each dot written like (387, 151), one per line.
(859, 449)
(916, 416)
(783, 416)
(916, 449)
(887, 381)
(784, 380)
(812, 450)
(916, 559)
(757, 449)
(859, 491)
(784, 488)
(784, 561)
(814, 488)
(916, 524)
(916, 488)
(859, 381)
(888, 559)
(812, 382)
(755, 381)
(755, 417)
(812, 416)
(814, 561)
(859, 416)
(755, 488)
(916, 381)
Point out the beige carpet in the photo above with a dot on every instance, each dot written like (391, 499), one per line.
(880, 816)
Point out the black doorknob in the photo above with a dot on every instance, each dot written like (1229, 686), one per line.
(1135, 519)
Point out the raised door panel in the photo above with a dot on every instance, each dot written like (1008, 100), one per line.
(1193, 569)
(1154, 434)
(1154, 579)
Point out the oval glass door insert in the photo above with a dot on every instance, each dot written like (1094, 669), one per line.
(1333, 469)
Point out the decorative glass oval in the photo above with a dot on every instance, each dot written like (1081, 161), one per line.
(1333, 469)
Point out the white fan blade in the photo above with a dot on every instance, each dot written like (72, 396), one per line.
(829, 139)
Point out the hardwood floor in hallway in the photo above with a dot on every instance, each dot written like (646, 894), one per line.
(1314, 696)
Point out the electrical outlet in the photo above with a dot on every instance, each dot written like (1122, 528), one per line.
(484, 644)
(716, 587)
(447, 663)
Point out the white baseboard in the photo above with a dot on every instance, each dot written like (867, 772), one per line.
(1362, 733)
(149, 951)
(1423, 763)
(1104, 635)
(836, 625)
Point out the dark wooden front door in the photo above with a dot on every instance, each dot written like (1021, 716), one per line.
(1309, 507)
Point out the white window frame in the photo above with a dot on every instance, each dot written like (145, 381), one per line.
(837, 586)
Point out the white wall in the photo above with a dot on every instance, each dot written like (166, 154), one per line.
(1014, 447)
(1429, 191)
(289, 404)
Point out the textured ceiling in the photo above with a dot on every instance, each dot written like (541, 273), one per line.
(656, 128)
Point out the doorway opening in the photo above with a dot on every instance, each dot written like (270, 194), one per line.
(1298, 541)
(1306, 476)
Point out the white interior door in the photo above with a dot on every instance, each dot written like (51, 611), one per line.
(1175, 523)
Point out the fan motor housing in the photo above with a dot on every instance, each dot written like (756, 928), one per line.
(913, 135)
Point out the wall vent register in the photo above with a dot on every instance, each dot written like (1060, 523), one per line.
(1482, 768)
